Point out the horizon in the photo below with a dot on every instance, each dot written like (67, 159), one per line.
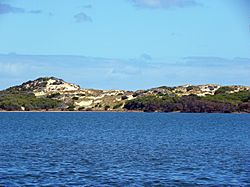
(59, 78)
(128, 74)
(148, 43)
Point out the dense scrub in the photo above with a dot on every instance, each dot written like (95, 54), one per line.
(233, 98)
(23, 100)
(224, 102)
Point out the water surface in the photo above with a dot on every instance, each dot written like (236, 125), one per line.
(124, 149)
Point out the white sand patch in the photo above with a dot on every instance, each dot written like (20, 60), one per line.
(97, 101)
(51, 87)
(130, 97)
(84, 103)
(37, 94)
(94, 98)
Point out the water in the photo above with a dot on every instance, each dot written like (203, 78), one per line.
(124, 149)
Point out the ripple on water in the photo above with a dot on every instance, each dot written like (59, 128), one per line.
(124, 149)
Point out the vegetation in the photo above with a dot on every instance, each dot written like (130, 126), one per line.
(151, 103)
(119, 105)
(71, 107)
(233, 98)
(124, 97)
(81, 108)
(226, 103)
(166, 87)
(162, 99)
(190, 88)
(106, 107)
(53, 95)
(27, 101)
(223, 90)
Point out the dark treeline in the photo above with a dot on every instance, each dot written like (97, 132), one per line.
(223, 103)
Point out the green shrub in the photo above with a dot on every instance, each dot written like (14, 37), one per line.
(16, 100)
(190, 88)
(233, 98)
(117, 106)
(106, 107)
(71, 107)
(124, 97)
(53, 95)
(81, 108)
(223, 90)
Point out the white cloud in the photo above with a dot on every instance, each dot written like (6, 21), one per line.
(164, 4)
(82, 17)
(7, 9)
(137, 73)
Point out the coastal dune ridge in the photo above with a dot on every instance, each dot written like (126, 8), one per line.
(54, 94)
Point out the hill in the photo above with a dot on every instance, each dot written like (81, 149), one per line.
(50, 93)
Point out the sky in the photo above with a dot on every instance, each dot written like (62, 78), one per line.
(125, 44)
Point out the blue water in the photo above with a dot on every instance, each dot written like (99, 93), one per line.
(124, 149)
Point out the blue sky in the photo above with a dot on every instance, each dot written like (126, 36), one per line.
(125, 44)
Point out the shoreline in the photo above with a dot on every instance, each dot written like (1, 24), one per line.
(58, 111)
(102, 111)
